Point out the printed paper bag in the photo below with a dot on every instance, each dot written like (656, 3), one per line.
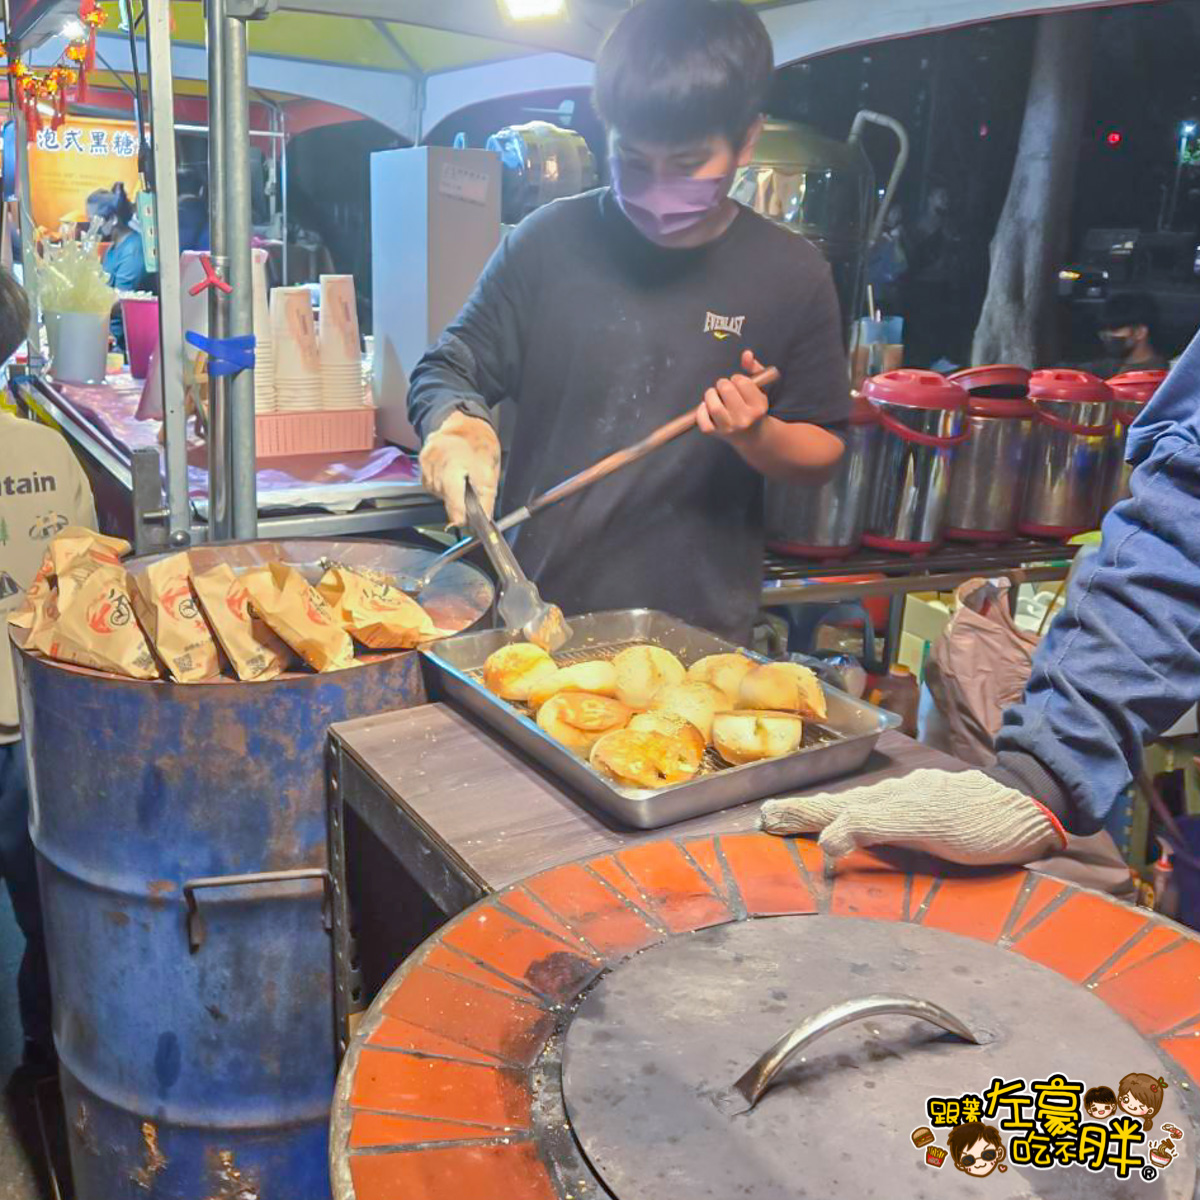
(166, 606)
(254, 651)
(297, 612)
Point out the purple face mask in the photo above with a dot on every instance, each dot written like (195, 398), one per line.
(661, 208)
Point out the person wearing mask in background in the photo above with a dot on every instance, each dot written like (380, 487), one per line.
(193, 210)
(604, 315)
(28, 519)
(1127, 329)
(1118, 667)
(125, 258)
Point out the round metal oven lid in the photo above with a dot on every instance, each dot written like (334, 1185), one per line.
(653, 1052)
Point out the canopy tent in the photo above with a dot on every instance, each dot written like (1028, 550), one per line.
(409, 64)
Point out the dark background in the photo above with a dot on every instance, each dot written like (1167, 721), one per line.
(960, 94)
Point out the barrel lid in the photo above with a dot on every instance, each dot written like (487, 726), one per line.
(862, 411)
(1013, 380)
(1068, 386)
(910, 388)
(1137, 386)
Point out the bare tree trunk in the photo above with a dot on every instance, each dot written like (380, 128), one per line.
(1017, 323)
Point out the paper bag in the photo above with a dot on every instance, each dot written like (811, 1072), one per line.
(166, 606)
(97, 628)
(253, 650)
(297, 612)
(36, 595)
(75, 541)
(375, 612)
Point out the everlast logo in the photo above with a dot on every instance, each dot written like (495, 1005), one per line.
(24, 485)
(721, 327)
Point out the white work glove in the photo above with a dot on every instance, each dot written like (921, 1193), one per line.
(461, 448)
(960, 816)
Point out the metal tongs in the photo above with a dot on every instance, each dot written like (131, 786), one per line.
(569, 487)
(521, 605)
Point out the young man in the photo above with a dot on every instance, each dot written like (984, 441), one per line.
(605, 315)
(1118, 667)
(28, 518)
(1127, 329)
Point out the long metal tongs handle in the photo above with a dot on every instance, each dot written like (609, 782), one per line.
(497, 549)
(755, 1082)
(585, 478)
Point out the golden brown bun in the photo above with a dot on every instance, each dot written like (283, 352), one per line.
(724, 671)
(512, 671)
(695, 702)
(645, 760)
(783, 687)
(742, 737)
(599, 678)
(673, 725)
(643, 671)
(579, 720)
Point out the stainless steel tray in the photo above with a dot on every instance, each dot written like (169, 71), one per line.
(837, 747)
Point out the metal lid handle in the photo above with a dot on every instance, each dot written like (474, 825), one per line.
(922, 439)
(759, 1078)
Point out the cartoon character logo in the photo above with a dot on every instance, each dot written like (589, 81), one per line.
(110, 612)
(975, 1148)
(1141, 1096)
(1100, 1103)
(179, 601)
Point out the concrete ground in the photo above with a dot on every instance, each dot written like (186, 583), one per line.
(18, 1179)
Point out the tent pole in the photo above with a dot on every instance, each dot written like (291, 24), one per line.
(28, 257)
(162, 123)
(236, 106)
(220, 516)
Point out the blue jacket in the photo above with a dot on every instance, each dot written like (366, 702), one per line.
(1121, 663)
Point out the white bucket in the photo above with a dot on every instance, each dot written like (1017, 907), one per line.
(79, 348)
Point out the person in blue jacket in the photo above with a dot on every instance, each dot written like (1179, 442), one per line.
(1118, 667)
(125, 259)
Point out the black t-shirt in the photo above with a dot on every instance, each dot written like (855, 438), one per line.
(600, 336)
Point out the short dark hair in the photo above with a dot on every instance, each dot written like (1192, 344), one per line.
(1099, 1095)
(14, 314)
(678, 71)
(962, 1136)
(1130, 308)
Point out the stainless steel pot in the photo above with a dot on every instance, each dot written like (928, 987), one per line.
(827, 522)
(1130, 391)
(921, 414)
(983, 501)
(1064, 473)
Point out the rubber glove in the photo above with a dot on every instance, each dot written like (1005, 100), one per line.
(959, 816)
(461, 448)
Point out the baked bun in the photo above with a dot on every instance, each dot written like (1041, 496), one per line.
(513, 671)
(672, 725)
(579, 720)
(783, 687)
(743, 737)
(646, 759)
(724, 671)
(597, 677)
(695, 702)
(643, 671)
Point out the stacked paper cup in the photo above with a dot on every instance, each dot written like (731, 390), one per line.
(340, 348)
(294, 344)
(264, 344)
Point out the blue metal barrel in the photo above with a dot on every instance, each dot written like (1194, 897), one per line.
(197, 1048)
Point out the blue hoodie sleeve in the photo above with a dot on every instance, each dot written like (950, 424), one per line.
(1122, 662)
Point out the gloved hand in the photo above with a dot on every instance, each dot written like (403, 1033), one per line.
(461, 448)
(961, 816)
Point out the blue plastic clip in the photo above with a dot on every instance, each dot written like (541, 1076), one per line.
(226, 356)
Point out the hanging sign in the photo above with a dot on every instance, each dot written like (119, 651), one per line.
(82, 155)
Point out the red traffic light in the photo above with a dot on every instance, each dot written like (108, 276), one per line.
(1114, 138)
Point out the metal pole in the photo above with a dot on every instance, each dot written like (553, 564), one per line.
(162, 123)
(241, 301)
(28, 249)
(283, 189)
(220, 512)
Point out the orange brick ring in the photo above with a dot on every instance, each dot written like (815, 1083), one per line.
(579, 1035)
